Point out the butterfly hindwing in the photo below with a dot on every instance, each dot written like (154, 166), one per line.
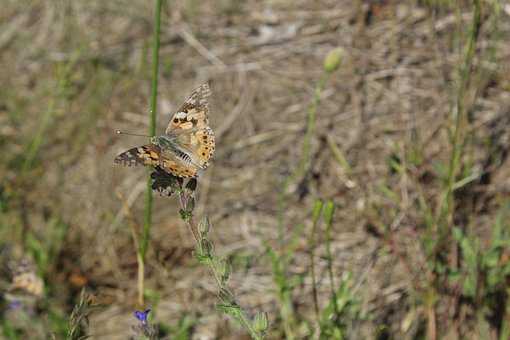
(203, 145)
(178, 168)
(164, 183)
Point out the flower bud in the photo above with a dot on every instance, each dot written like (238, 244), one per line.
(333, 60)
(260, 324)
(225, 271)
(204, 226)
(206, 247)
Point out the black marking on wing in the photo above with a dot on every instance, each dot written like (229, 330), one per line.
(164, 183)
(129, 158)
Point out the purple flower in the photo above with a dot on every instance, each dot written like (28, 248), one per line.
(142, 316)
(15, 304)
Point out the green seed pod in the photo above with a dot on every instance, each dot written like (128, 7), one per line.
(204, 226)
(333, 60)
(260, 323)
(225, 270)
(206, 247)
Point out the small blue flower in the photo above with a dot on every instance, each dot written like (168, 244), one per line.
(142, 316)
(15, 304)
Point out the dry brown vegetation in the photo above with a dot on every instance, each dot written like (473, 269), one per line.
(74, 71)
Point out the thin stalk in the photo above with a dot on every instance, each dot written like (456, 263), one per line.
(155, 67)
(304, 162)
(329, 211)
(286, 307)
(237, 312)
(152, 131)
(310, 130)
(152, 126)
(460, 113)
(317, 209)
(458, 141)
(141, 279)
(243, 320)
(189, 222)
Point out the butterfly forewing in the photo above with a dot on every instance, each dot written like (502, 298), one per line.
(142, 155)
(193, 113)
(190, 127)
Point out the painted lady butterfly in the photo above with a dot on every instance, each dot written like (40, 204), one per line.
(188, 142)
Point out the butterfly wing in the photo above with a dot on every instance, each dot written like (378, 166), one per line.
(189, 127)
(149, 154)
(176, 166)
(152, 155)
(199, 144)
(25, 280)
(164, 183)
(194, 113)
(190, 140)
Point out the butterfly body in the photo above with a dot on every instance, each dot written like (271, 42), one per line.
(188, 142)
(170, 145)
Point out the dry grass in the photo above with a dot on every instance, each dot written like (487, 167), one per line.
(74, 71)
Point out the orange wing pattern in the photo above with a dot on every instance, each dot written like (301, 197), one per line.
(193, 113)
(143, 155)
(189, 142)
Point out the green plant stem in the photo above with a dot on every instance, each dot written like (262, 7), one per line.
(313, 244)
(458, 139)
(155, 67)
(460, 114)
(183, 200)
(286, 306)
(236, 312)
(304, 162)
(329, 211)
(152, 126)
(243, 320)
(141, 279)
(311, 123)
(152, 131)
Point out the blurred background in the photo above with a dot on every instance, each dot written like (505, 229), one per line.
(404, 129)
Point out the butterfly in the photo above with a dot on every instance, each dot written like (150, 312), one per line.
(25, 280)
(187, 145)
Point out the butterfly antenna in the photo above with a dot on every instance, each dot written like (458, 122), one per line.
(130, 134)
